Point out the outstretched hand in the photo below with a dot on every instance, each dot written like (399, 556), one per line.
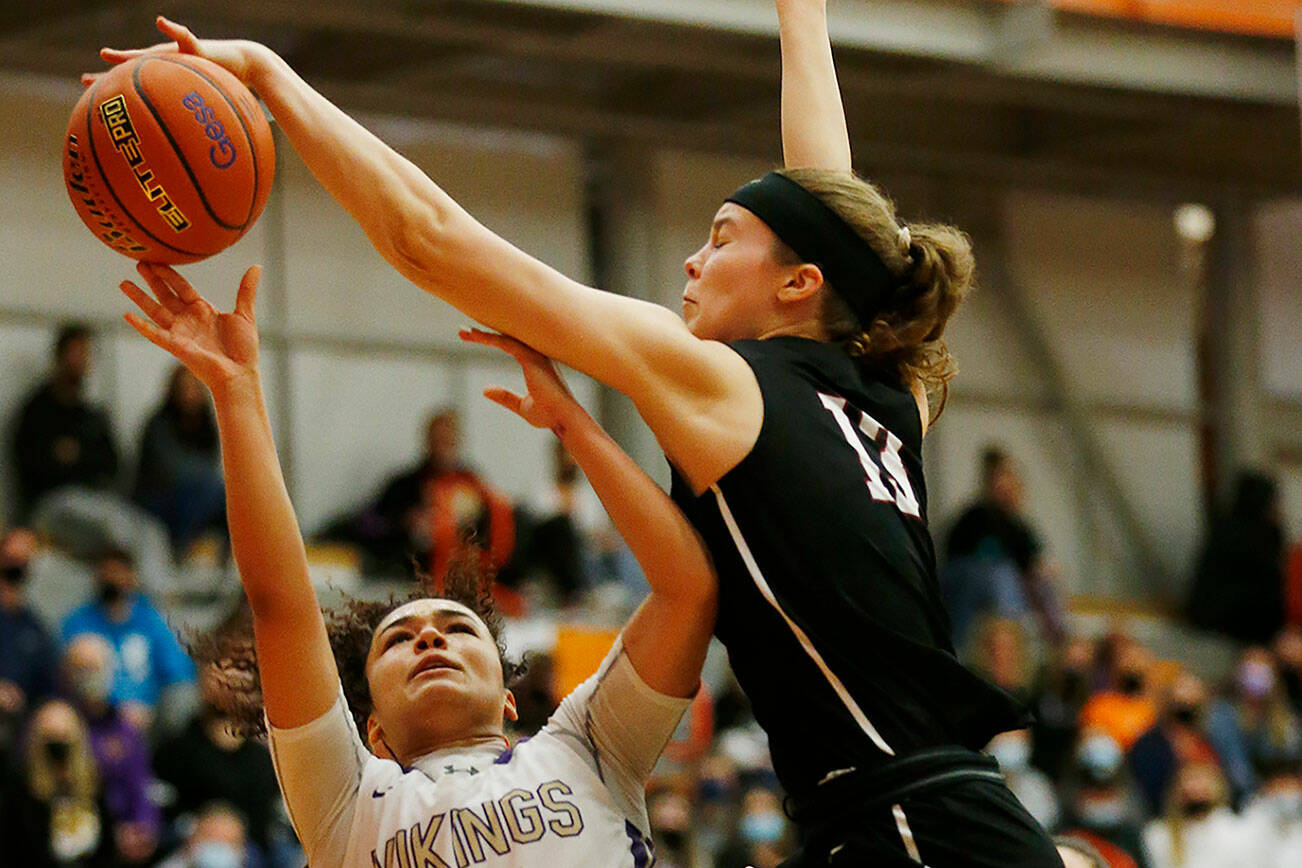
(548, 403)
(239, 56)
(217, 347)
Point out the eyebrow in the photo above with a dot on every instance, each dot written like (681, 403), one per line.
(446, 611)
(720, 222)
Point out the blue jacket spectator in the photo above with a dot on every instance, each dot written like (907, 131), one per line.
(149, 658)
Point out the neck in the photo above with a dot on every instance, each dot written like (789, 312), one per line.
(804, 329)
(11, 599)
(66, 389)
(487, 739)
(119, 609)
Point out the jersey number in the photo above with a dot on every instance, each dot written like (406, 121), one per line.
(900, 492)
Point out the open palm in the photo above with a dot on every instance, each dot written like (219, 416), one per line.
(547, 402)
(217, 347)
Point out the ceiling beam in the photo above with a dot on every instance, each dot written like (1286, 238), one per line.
(1077, 49)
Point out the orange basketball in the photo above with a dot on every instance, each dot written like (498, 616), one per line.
(169, 158)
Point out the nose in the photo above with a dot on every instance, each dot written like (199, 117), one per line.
(693, 265)
(430, 637)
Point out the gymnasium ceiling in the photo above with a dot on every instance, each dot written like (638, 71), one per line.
(1009, 91)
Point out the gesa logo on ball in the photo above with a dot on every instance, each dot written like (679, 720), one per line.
(222, 153)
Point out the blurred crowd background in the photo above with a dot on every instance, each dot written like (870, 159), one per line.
(116, 751)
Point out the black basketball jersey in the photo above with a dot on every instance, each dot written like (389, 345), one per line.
(828, 598)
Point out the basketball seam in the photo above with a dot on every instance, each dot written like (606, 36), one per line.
(108, 185)
(248, 135)
(176, 148)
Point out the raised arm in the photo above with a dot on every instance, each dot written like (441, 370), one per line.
(814, 134)
(689, 391)
(299, 679)
(667, 637)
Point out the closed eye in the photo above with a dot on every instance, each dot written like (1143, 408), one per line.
(462, 628)
(395, 637)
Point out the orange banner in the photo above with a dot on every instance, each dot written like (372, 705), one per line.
(1253, 17)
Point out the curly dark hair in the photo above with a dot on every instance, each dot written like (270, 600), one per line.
(229, 649)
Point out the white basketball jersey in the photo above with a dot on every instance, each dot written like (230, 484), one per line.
(571, 795)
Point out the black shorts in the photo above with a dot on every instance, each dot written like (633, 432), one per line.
(963, 820)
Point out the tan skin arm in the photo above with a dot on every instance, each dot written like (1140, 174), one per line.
(299, 679)
(814, 133)
(689, 391)
(667, 636)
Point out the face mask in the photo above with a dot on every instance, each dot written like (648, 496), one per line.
(672, 840)
(1100, 757)
(1186, 715)
(1012, 754)
(111, 594)
(58, 751)
(1256, 679)
(216, 854)
(1196, 809)
(1131, 683)
(714, 790)
(762, 828)
(92, 685)
(1284, 805)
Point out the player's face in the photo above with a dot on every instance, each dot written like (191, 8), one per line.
(435, 677)
(732, 281)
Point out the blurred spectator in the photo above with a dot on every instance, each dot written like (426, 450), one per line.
(1238, 586)
(217, 841)
(1177, 739)
(27, 653)
(993, 562)
(148, 658)
(209, 761)
(54, 815)
(670, 812)
(1000, 654)
(432, 511)
(1032, 787)
(121, 754)
(1199, 829)
(1252, 725)
(1275, 815)
(179, 477)
(764, 837)
(1063, 687)
(718, 792)
(1123, 708)
(1288, 656)
(61, 439)
(569, 531)
(1099, 798)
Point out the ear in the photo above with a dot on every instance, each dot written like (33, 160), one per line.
(801, 284)
(509, 710)
(375, 738)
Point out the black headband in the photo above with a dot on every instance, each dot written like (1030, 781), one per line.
(819, 235)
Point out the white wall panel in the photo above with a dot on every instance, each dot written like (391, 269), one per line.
(1103, 280)
(339, 285)
(357, 421)
(1279, 283)
(1037, 444)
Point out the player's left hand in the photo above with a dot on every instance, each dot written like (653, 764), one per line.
(218, 348)
(548, 403)
(239, 56)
